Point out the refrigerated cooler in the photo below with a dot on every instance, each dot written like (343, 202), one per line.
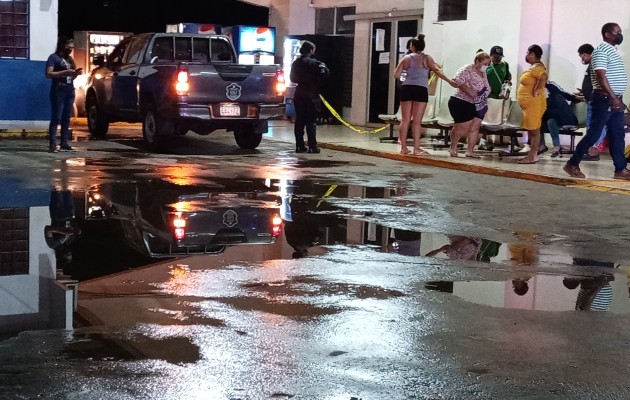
(88, 44)
(253, 44)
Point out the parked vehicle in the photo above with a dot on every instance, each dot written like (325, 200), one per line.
(179, 82)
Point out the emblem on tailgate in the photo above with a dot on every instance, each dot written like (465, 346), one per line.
(233, 91)
(230, 218)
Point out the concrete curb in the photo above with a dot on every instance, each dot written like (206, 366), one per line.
(477, 169)
(23, 133)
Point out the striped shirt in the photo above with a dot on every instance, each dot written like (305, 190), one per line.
(606, 57)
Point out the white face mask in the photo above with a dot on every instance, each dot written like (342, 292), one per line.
(483, 68)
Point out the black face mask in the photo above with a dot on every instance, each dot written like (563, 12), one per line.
(66, 52)
(618, 39)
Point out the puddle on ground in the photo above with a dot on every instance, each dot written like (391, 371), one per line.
(598, 292)
(115, 226)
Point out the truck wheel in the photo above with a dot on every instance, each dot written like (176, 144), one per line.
(96, 120)
(155, 129)
(247, 138)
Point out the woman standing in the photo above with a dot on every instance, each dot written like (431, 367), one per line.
(414, 92)
(531, 97)
(470, 103)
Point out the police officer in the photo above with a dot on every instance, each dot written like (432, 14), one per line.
(308, 73)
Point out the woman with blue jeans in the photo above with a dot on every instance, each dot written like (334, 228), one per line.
(558, 114)
(61, 69)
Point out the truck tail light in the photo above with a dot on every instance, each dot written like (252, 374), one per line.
(181, 86)
(277, 226)
(281, 85)
(179, 225)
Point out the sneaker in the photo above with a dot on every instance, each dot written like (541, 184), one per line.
(301, 150)
(67, 148)
(315, 150)
(524, 149)
(575, 172)
(625, 175)
(588, 157)
(53, 150)
(556, 154)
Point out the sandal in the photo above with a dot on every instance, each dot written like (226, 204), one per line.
(420, 152)
(526, 160)
(472, 155)
(453, 153)
(404, 150)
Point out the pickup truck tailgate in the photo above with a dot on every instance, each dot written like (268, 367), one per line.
(238, 83)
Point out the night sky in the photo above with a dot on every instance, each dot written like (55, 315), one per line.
(139, 16)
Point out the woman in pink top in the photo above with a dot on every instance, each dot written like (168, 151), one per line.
(469, 105)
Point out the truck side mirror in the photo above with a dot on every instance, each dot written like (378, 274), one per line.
(98, 60)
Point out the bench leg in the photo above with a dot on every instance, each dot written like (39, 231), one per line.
(391, 137)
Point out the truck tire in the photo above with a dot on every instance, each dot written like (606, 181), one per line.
(98, 124)
(155, 129)
(247, 138)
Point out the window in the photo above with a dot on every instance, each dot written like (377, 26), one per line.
(329, 21)
(220, 50)
(14, 28)
(453, 10)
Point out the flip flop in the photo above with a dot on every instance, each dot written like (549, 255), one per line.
(453, 153)
(420, 152)
(472, 155)
(404, 151)
(527, 161)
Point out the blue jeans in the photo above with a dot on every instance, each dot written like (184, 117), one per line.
(602, 116)
(554, 132)
(61, 104)
(588, 121)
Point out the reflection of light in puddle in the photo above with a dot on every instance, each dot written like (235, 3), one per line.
(545, 293)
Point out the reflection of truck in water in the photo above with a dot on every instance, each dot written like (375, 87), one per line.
(176, 82)
(161, 219)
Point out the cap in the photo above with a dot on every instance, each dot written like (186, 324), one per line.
(498, 50)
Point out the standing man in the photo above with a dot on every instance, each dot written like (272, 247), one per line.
(585, 52)
(60, 68)
(498, 72)
(309, 74)
(609, 83)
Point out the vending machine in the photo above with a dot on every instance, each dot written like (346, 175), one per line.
(253, 44)
(88, 44)
(192, 27)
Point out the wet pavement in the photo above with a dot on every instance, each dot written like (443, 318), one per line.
(382, 280)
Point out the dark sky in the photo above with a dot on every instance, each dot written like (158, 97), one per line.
(152, 16)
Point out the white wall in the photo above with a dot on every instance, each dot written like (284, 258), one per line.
(489, 23)
(570, 28)
(43, 28)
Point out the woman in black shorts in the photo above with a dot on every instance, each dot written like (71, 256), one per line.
(470, 103)
(414, 92)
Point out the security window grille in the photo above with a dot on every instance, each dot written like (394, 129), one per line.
(14, 234)
(453, 10)
(14, 28)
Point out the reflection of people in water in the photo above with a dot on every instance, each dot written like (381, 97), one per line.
(408, 242)
(301, 234)
(595, 292)
(63, 228)
(459, 248)
(520, 286)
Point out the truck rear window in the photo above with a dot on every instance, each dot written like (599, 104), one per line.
(193, 49)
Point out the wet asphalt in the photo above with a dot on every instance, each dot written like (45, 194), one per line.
(388, 280)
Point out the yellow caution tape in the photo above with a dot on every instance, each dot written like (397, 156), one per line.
(336, 115)
(327, 194)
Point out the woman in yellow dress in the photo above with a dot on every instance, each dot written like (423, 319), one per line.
(531, 97)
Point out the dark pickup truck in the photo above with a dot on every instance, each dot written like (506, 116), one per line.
(176, 82)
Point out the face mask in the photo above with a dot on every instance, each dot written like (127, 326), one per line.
(618, 39)
(484, 68)
(67, 51)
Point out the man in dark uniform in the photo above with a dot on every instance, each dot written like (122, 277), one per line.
(308, 73)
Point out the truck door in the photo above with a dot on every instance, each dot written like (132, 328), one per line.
(125, 77)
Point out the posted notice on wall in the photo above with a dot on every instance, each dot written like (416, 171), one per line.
(383, 58)
(402, 43)
(380, 40)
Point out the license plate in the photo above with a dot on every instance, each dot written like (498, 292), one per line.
(229, 111)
